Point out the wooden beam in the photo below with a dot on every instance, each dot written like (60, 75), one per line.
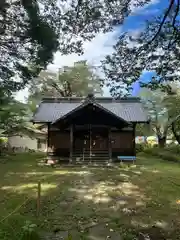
(90, 142)
(110, 145)
(71, 143)
(134, 139)
(48, 137)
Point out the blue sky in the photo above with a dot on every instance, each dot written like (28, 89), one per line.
(102, 44)
(136, 22)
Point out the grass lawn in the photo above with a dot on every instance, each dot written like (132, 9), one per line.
(92, 203)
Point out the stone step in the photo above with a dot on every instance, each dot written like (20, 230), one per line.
(91, 159)
(88, 152)
(91, 162)
(93, 155)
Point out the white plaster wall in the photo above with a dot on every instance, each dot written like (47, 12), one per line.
(24, 141)
(43, 147)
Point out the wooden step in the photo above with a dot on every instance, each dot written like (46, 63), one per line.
(92, 156)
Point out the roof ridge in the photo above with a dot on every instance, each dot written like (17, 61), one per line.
(51, 109)
(78, 99)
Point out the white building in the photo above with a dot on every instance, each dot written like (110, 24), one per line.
(32, 139)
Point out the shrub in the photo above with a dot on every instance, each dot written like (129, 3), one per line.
(29, 231)
(169, 156)
(139, 147)
(143, 147)
(153, 151)
(165, 154)
(174, 149)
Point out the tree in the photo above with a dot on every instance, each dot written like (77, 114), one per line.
(163, 110)
(176, 128)
(32, 30)
(78, 80)
(147, 51)
(154, 103)
(13, 115)
(28, 41)
(121, 68)
(173, 104)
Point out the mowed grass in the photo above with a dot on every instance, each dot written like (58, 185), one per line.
(92, 203)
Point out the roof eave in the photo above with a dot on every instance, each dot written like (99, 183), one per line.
(39, 122)
(95, 104)
(145, 121)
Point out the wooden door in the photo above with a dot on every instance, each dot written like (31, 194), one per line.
(99, 142)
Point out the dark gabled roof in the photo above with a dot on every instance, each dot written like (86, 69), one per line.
(128, 109)
(95, 104)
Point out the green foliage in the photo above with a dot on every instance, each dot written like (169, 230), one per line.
(173, 106)
(163, 110)
(33, 30)
(144, 147)
(13, 114)
(144, 129)
(78, 80)
(18, 231)
(135, 53)
(140, 147)
(152, 150)
(173, 148)
(168, 156)
(118, 68)
(155, 104)
(69, 237)
(3, 140)
(28, 41)
(29, 231)
(168, 153)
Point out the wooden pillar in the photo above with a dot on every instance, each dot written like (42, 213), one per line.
(90, 142)
(48, 138)
(109, 145)
(134, 138)
(71, 144)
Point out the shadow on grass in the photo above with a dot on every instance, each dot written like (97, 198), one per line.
(90, 202)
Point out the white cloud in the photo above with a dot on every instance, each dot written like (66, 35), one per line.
(139, 10)
(94, 52)
(22, 95)
(148, 11)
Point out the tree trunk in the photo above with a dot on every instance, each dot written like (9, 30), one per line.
(145, 140)
(162, 141)
(177, 137)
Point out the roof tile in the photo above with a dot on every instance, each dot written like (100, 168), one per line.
(131, 111)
